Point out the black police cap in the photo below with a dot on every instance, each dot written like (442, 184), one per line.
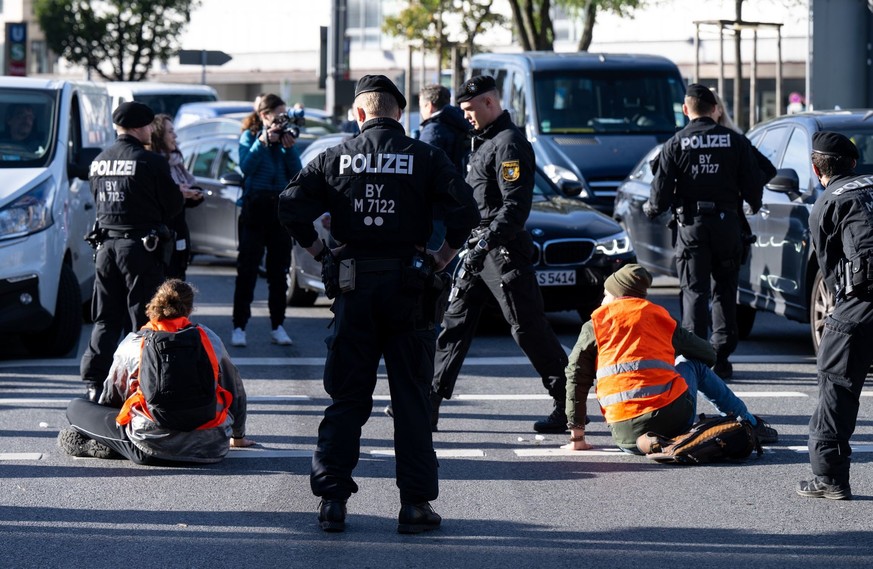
(132, 114)
(475, 86)
(698, 91)
(833, 144)
(380, 84)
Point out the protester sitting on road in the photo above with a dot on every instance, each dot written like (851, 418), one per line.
(121, 423)
(630, 346)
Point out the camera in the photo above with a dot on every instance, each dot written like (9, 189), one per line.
(291, 121)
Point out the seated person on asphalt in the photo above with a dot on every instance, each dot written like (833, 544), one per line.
(121, 423)
(648, 369)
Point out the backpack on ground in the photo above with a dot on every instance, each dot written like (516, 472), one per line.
(177, 379)
(711, 439)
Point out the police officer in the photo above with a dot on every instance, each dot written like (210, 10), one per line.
(380, 189)
(135, 197)
(841, 226)
(498, 260)
(704, 172)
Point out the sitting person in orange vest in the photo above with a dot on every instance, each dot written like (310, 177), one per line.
(648, 369)
(123, 423)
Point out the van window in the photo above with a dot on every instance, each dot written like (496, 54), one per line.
(27, 132)
(205, 158)
(608, 101)
(517, 100)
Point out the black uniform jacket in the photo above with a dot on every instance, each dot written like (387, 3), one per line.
(380, 188)
(841, 223)
(501, 173)
(707, 162)
(133, 188)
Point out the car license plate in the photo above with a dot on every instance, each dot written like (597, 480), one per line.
(556, 278)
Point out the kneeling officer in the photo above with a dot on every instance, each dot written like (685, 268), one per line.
(380, 189)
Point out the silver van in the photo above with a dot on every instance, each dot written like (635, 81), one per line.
(590, 117)
(51, 132)
(163, 98)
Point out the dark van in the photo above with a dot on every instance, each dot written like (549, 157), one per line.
(590, 117)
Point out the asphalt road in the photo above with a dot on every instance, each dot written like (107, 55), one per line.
(507, 499)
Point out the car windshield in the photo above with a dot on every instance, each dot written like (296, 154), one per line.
(863, 139)
(608, 101)
(169, 103)
(27, 133)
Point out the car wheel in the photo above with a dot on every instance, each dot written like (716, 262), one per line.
(821, 303)
(63, 333)
(745, 320)
(297, 295)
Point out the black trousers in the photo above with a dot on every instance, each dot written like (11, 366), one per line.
(374, 321)
(844, 359)
(708, 253)
(508, 277)
(97, 422)
(127, 277)
(259, 229)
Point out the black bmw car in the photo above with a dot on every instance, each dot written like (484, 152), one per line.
(782, 274)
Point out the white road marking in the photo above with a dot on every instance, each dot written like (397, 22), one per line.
(440, 452)
(275, 398)
(528, 452)
(855, 448)
(266, 453)
(20, 455)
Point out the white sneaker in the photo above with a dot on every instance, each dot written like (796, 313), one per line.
(279, 336)
(238, 338)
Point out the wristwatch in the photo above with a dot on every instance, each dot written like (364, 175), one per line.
(483, 245)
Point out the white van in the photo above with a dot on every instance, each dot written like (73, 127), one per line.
(50, 133)
(163, 98)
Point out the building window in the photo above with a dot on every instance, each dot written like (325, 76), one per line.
(39, 57)
(364, 24)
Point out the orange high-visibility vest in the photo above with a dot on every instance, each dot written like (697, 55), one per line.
(635, 356)
(137, 400)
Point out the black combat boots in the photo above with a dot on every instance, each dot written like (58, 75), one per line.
(332, 515)
(554, 424)
(416, 518)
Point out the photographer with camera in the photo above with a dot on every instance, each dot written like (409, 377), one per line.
(268, 161)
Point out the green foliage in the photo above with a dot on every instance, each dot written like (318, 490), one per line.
(117, 39)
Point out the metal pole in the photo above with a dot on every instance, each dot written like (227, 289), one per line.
(808, 85)
(753, 81)
(203, 67)
(407, 84)
(697, 53)
(721, 92)
(780, 108)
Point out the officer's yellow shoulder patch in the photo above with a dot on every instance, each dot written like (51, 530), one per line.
(510, 170)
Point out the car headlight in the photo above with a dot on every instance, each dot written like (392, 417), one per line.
(28, 214)
(614, 244)
(558, 174)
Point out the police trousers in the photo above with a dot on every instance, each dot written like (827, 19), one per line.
(509, 278)
(708, 253)
(259, 230)
(844, 359)
(373, 321)
(126, 278)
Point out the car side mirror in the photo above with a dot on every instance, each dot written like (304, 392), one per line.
(785, 182)
(80, 167)
(231, 179)
(570, 188)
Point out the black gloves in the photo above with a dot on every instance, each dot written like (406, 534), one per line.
(474, 260)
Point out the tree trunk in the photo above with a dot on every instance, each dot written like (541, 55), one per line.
(520, 25)
(545, 36)
(590, 12)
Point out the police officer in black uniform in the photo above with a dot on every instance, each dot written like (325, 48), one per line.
(498, 260)
(841, 226)
(704, 173)
(135, 197)
(380, 188)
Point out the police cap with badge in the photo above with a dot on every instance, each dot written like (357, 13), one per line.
(475, 86)
(132, 114)
(833, 144)
(379, 84)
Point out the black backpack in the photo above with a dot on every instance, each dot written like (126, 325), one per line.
(177, 379)
(711, 439)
